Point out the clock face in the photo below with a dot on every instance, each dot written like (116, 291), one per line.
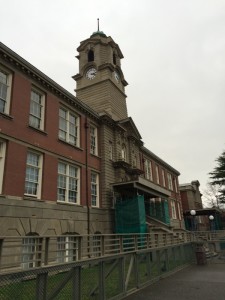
(117, 76)
(91, 73)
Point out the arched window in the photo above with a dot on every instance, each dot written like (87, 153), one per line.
(96, 244)
(148, 170)
(114, 58)
(124, 153)
(91, 55)
(67, 248)
(110, 150)
(31, 251)
(134, 162)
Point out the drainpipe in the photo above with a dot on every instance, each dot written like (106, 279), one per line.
(86, 125)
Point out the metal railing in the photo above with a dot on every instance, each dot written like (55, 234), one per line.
(213, 243)
(109, 277)
(217, 235)
(27, 252)
(95, 266)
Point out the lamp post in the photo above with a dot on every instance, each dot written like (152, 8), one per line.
(211, 223)
(193, 213)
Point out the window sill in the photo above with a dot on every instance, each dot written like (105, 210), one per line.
(37, 129)
(71, 145)
(68, 203)
(6, 116)
(95, 155)
(30, 197)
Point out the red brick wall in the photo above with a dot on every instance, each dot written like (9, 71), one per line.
(184, 200)
(49, 178)
(15, 166)
(46, 142)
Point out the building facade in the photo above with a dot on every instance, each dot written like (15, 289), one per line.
(195, 216)
(67, 161)
(191, 196)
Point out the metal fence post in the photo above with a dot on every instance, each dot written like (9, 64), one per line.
(136, 270)
(183, 254)
(1, 247)
(180, 254)
(102, 245)
(121, 243)
(148, 264)
(79, 255)
(158, 262)
(135, 242)
(174, 256)
(41, 286)
(76, 283)
(46, 251)
(122, 274)
(101, 280)
(148, 241)
(166, 260)
(156, 240)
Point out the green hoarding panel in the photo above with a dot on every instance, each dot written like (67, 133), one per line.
(130, 215)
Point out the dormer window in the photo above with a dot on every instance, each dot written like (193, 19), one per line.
(91, 55)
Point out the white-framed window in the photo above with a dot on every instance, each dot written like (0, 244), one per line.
(153, 206)
(157, 174)
(67, 249)
(134, 161)
(175, 184)
(179, 210)
(170, 183)
(69, 127)
(31, 252)
(5, 90)
(95, 242)
(93, 140)
(163, 178)
(37, 109)
(94, 189)
(173, 209)
(33, 174)
(68, 183)
(2, 162)
(124, 153)
(148, 169)
(110, 150)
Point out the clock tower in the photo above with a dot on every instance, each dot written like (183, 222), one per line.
(100, 82)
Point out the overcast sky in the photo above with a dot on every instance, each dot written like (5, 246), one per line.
(174, 62)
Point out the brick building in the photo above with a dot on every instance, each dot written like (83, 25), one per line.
(66, 161)
(191, 196)
(195, 216)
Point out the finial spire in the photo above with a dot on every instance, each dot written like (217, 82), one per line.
(98, 32)
(98, 23)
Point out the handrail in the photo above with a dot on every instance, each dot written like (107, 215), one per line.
(208, 236)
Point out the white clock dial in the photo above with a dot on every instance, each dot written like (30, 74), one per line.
(91, 73)
(117, 76)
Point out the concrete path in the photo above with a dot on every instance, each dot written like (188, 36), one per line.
(192, 283)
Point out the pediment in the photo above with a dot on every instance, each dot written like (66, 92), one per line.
(129, 125)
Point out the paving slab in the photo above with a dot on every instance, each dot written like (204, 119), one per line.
(205, 282)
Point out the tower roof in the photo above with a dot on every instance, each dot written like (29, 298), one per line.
(100, 37)
(101, 33)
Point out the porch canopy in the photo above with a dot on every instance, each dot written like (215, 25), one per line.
(141, 186)
(203, 212)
